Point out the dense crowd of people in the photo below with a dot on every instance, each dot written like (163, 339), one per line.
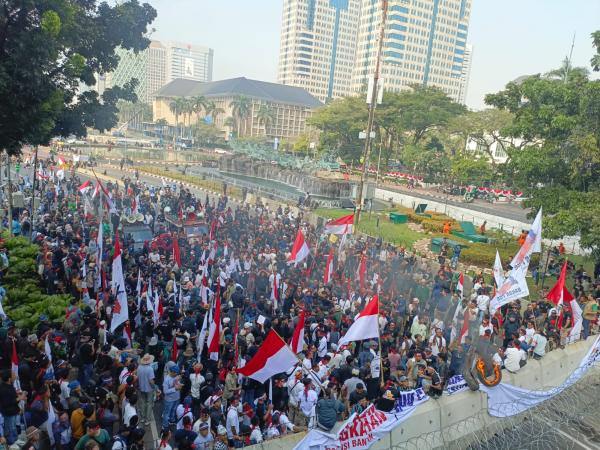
(81, 386)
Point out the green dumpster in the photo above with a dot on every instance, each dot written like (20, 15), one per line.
(398, 218)
(436, 244)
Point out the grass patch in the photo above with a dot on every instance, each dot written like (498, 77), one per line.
(397, 234)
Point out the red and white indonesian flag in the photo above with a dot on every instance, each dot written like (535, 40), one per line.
(343, 225)
(85, 187)
(214, 332)
(329, 267)
(272, 358)
(14, 366)
(460, 286)
(120, 312)
(300, 249)
(298, 337)
(96, 190)
(365, 325)
(559, 293)
(61, 161)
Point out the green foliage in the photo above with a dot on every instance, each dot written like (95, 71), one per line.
(25, 300)
(470, 169)
(47, 50)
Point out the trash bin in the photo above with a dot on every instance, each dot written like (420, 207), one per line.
(398, 218)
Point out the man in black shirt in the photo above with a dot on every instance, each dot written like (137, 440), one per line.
(9, 407)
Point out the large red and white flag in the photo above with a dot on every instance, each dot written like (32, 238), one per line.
(272, 358)
(343, 225)
(61, 161)
(361, 273)
(300, 249)
(214, 332)
(460, 286)
(120, 312)
(559, 293)
(96, 190)
(365, 326)
(14, 366)
(85, 187)
(176, 251)
(329, 267)
(298, 337)
(464, 331)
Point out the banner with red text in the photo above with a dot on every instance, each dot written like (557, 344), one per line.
(362, 430)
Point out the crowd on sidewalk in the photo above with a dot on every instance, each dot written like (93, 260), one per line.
(83, 384)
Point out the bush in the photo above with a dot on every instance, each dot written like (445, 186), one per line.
(437, 226)
(25, 301)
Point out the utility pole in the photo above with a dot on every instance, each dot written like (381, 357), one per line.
(568, 68)
(10, 196)
(372, 105)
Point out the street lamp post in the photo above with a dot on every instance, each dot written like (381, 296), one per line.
(372, 104)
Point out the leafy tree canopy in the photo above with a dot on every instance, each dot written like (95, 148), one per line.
(48, 50)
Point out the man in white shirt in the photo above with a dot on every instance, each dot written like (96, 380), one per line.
(232, 422)
(483, 303)
(538, 344)
(513, 357)
(322, 350)
(307, 400)
(437, 342)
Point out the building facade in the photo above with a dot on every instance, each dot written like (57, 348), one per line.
(425, 43)
(466, 74)
(159, 64)
(289, 106)
(318, 44)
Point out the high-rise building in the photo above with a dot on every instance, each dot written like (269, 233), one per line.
(318, 44)
(160, 63)
(465, 74)
(425, 43)
(188, 62)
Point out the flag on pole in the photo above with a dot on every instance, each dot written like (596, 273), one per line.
(176, 251)
(329, 267)
(202, 334)
(61, 161)
(362, 271)
(365, 325)
(298, 337)
(575, 331)
(559, 293)
(273, 357)
(343, 225)
(96, 190)
(120, 312)
(14, 367)
(127, 335)
(460, 286)
(498, 271)
(214, 331)
(300, 249)
(464, 331)
(85, 187)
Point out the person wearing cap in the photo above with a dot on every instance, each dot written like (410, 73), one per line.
(146, 389)
(205, 439)
(221, 442)
(171, 388)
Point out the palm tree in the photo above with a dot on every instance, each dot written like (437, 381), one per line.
(199, 104)
(265, 116)
(213, 111)
(229, 122)
(567, 72)
(241, 106)
(177, 107)
(162, 123)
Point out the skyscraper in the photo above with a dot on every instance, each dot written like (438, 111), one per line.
(318, 44)
(160, 63)
(425, 43)
(465, 74)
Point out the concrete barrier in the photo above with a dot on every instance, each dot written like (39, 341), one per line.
(437, 419)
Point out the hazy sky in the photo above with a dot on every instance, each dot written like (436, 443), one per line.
(510, 37)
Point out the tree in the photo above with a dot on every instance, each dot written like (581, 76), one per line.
(206, 134)
(177, 107)
(47, 50)
(596, 58)
(566, 72)
(199, 104)
(162, 124)
(562, 173)
(467, 169)
(241, 106)
(340, 123)
(213, 110)
(265, 116)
